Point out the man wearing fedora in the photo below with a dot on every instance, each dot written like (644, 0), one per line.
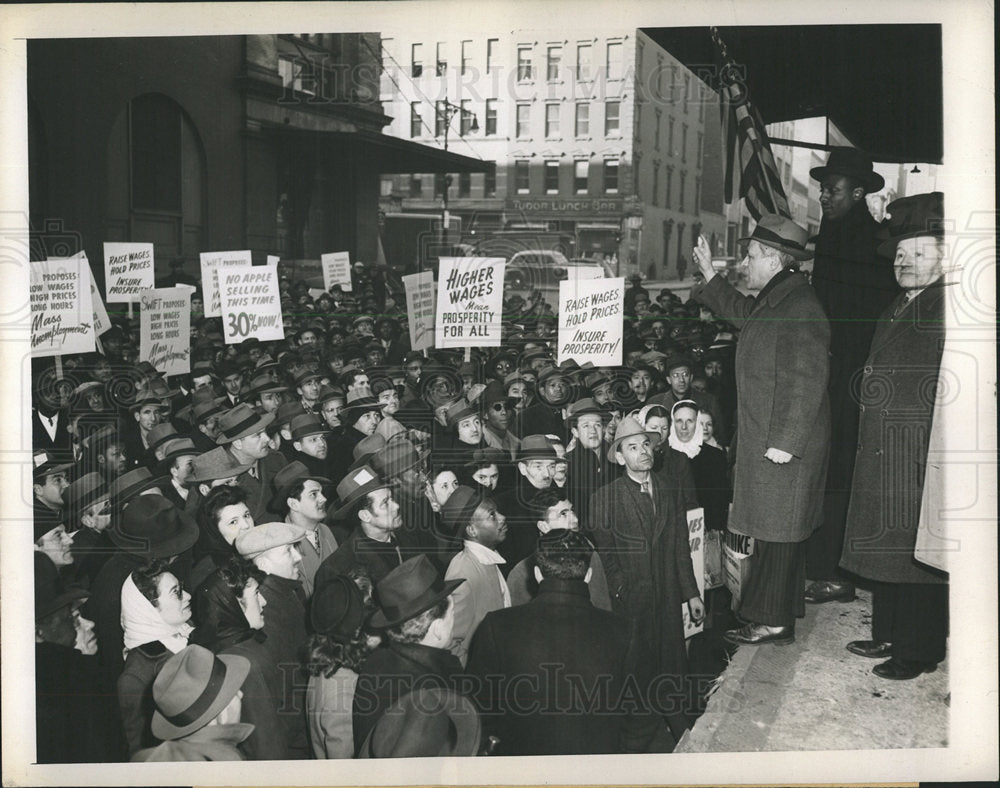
(783, 413)
(589, 468)
(417, 616)
(909, 598)
(88, 506)
(309, 443)
(855, 285)
(473, 517)
(175, 463)
(536, 460)
(243, 432)
(146, 412)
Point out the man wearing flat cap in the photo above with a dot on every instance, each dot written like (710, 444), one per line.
(783, 413)
(854, 285)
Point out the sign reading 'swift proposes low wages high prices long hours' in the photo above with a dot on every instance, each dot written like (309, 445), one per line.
(591, 320)
(251, 303)
(470, 302)
(62, 317)
(165, 329)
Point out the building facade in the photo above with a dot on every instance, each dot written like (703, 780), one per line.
(603, 142)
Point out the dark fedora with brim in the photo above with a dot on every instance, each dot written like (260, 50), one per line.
(535, 447)
(337, 609)
(459, 508)
(153, 527)
(585, 407)
(84, 491)
(306, 424)
(127, 486)
(852, 163)
(192, 688)
(50, 595)
(357, 404)
(487, 455)
(366, 448)
(263, 384)
(355, 486)
(916, 216)
(240, 422)
(427, 722)
(398, 456)
(410, 589)
(287, 478)
(782, 234)
(178, 447)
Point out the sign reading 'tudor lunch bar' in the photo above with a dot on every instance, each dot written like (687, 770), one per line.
(586, 205)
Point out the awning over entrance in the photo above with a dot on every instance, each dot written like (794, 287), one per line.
(389, 155)
(880, 84)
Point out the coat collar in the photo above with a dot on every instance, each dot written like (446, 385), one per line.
(787, 285)
(554, 587)
(436, 661)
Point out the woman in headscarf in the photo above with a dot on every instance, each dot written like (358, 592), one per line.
(708, 463)
(156, 611)
(669, 465)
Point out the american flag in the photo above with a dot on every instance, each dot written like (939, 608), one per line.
(749, 161)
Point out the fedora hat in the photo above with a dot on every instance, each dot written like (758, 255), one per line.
(215, 464)
(202, 411)
(125, 487)
(782, 234)
(145, 398)
(240, 422)
(366, 448)
(912, 217)
(458, 410)
(306, 375)
(398, 456)
(676, 361)
(354, 486)
(192, 688)
(358, 403)
(261, 538)
(46, 463)
(426, 722)
(327, 393)
(487, 455)
(535, 447)
(84, 491)
(410, 589)
(160, 434)
(287, 478)
(288, 411)
(307, 424)
(100, 439)
(389, 428)
(628, 427)
(178, 447)
(458, 509)
(50, 595)
(263, 384)
(584, 407)
(337, 609)
(153, 527)
(852, 163)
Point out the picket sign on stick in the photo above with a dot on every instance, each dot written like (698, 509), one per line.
(62, 316)
(420, 308)
(591, 321)
(337, 270)
(251, 303)
(165, 329)
(128, 270)
(696, 541)
(470, 302)
(210, 261)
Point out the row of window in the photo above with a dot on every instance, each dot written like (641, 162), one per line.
(553, 119)
(522, 181)
(583, 69)
(669, 189)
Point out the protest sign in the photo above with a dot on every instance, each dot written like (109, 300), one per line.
(210, 261)
(420, 308)
(251, 303)
(736, 552)
(101, 320)
(469, 302)
(337, 270)
(576, 272)
(62, 315)
(165, 329)
(272, 259)
(696, 540)
(591, 314)
(128, 270)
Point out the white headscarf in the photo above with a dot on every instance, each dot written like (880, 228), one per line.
(143, 623)
(692, 447)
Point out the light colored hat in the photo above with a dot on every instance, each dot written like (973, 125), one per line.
(628, 427)
(261, 538)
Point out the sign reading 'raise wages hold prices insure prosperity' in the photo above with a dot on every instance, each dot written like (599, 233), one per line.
(128, 270)
(62, 317)
(591, 314)
(251, 303)
(165, 329)
(470, 302)
(210, 283)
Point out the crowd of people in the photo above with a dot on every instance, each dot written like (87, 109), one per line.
(334, 546)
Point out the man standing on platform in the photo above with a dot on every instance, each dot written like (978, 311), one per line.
(783, 414)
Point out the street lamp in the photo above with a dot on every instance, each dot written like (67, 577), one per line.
(448, 112)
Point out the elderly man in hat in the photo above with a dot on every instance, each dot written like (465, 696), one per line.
(854, 285)
(243, 432)
(417, 616)
(472, 515)
(783, 410)
(909, 599)
(640, 527)
(536, 460)
(88, 505)
(299, 495)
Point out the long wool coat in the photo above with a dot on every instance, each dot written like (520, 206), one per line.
(782, 364)
(897, 406)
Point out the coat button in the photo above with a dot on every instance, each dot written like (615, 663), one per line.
(878, 452)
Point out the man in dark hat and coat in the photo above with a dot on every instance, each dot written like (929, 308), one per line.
(909, 599)
(243, 432)
(854, 285)
(783, 414)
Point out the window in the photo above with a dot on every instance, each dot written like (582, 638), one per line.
(582, 126)
(684, 142)
(552, 62)
(552, 177)
(441, 65)
(680, 197)
(584, 55)
(581, 168)
(440, 184)
(615, 60)
(659, 77)
(656, 134)
(464, 184)
(416, 186)
(521, 176)
(687, 89)
(670, 186)
(611, 176)
(385, 186)
(440, 118)
(490, 183)
(465, 117)
(416, 60)
(551, 120)
(612, 110)
(491, 117)
(466, 57)
(491, 53)
(656, 183)
(670, 136)
(701, 146)
(416, 122)
(523, 63)
(523, 113)
(300, 75)
(156, 153)
(697, 195)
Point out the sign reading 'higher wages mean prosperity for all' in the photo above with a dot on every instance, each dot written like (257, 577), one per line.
(470, 302)
(591, 314)
(251, 303)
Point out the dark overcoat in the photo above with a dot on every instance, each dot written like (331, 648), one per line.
(897, 405)
(782, 365)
